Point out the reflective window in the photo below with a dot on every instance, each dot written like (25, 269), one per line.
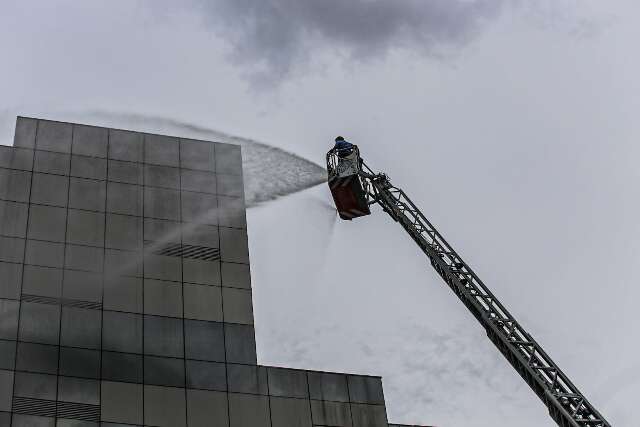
(13, 219)
(126, 172)
(206, 375)
(164, 406)
(79, 362)
(202, 302)
(207, 408)
(161, 203)
(162, 298)
(54, 136)
(45, 254)
(122, 332)
(123, 232)
(87, 194)
(82, 285)
(124, 199)
(161, 150)
(48, 162)
(240, 343)
(47, 223)
(84, 258)
(37, 358)
(88, 167)
(196, 155)
(39, 323)
(125, 145)
(249, 410)
(90, 140)
(11, 277)
(237, 306)
(36, 386)
(164, 371)
(43, 281)
(123, 294)
(85, 228)
(79, 390)
(204, 340)
(81, 327)
(122, 367)
(15, 185)
(121, 402)
(49, 189)
(9, 315)
(163, 336)
(161, 176)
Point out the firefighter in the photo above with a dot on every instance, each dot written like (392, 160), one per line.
(343, 147)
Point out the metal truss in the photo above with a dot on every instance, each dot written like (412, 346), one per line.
(566, 404)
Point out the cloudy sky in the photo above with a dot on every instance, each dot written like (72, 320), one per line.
(513, 124)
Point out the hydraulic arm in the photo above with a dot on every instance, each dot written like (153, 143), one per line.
(566, 404)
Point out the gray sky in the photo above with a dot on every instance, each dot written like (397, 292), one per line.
(512, 124)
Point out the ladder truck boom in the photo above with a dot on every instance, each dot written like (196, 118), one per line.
(355, 186)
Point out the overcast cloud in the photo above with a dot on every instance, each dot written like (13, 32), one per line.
(275, 37)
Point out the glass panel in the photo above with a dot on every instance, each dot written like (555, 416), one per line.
(82, 285)
(122, 332)
(204, 340)
(161, 203)
(36, 386)
(15, 185)
(13, 219)
(87, 194)
(39, 323)
(237, 306)
(162, 298)
(7, 354)
(78, 362)
(48, 162)
(81, 327)
(164, 371)
(47, 223)
(230, 185)
(123, 294)
(11, 277)
(124, 199)
(231, 212)
(163, 336)
(54, 136)
(233, 245)
(206, 375)
(236, 275)
(365, 389)
(25, 135)
(161, 176)
(250, 379)
(202, 182)
(328, 386)
(248, 410)
(6, 390)
(44, 253)
(37, 358)
(11, 249)
(85, 228)
(124, 232)
(125, 145)
(196, 155)
(290, 412)
(9, 315)
(164, 406)
(90, 140)
(207, 408)
(228, 159)
(199, 208)
(287, 382)
(199, 271)
(79, 390)
(163, 267)
(127, 172)
(43, 281)
(161, 150)
(201, 235)
(240, 343)
(121, 402)
(202, 302)
(49, 189)
(84, 258)
(122, 367)
(16, 158)
(88, 167)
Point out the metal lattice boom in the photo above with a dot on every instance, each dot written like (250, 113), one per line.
(566, 404)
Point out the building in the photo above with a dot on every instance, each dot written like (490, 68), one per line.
(125, 291)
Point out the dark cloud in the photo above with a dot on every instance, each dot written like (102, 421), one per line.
(272, 37)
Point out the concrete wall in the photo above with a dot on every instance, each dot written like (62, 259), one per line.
(125, 292)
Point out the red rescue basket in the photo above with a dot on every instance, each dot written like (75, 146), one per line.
(343, 167)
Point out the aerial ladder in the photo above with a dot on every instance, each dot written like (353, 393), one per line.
(355, 187)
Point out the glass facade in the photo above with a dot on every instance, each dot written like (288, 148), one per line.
(125, 292)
